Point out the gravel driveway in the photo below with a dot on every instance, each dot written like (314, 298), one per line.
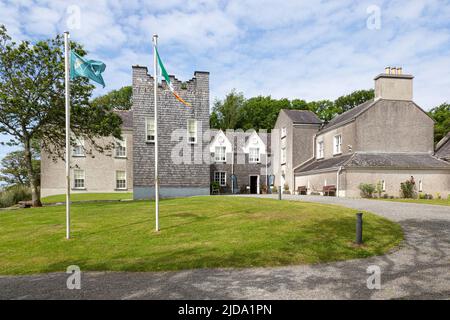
(420, 269)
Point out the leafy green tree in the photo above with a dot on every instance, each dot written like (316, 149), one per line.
(261, 112)
(441, 115)
(347, 102)
(116, 99)
(14, 168)
(324, 109)
(32, 102)
(226, 113)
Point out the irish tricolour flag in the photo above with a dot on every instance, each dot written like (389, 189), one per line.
(167, 78)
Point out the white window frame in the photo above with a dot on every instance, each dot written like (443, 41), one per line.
(117, 180)
(148, 121)
(220, 176)
(191, 136)
(383, 185)
(78, 149)
(76, 177)
(283, 133)
(320, 150)
(337, 144)
(420, 185)
(121, 148)
(254, 157)
(220, 156)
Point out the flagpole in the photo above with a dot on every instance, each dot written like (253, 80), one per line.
(155, 75)
(67, 80)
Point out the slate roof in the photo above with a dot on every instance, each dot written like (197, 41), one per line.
(349, 115)
(443, 148)
(302, 116)
(376, 160)
(127, 118)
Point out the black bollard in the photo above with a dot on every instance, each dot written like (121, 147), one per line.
(359, 228)
(279, 193)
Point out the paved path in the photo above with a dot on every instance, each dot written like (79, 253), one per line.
(419, 270)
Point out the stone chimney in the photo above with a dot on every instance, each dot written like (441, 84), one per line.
(394, 85)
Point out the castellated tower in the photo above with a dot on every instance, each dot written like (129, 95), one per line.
(182, 169)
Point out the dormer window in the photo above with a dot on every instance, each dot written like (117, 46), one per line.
(320, 150)
(337, 146)
(220, 154)
(254, 155)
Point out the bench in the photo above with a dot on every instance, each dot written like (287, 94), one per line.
(303, 190)
(329, 191)
(25, 204)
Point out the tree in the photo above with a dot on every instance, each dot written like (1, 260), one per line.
(116, 99)
(347, 102)
(32, 102)
(262, 112)
(441, 115)
(226, 113)
(14, 169)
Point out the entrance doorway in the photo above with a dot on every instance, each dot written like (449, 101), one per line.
(254, 184)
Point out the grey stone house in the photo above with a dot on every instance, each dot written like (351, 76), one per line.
(93, 172)
(383, 141)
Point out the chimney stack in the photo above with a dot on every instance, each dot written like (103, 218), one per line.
(394, 85)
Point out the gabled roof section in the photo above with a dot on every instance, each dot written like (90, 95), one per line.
(375, 160)
(348, 115)
(443, 148)
(127, 118)
(302, 116)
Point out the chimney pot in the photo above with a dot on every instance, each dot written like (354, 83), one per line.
(387, 70)
(399, 70)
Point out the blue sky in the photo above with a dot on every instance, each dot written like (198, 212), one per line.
(294, 49)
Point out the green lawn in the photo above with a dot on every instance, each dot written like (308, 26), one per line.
(201, 232)
(440, 202)
(88, 197)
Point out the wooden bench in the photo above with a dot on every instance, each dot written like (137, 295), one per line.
(25, 204)
(329, 191)
(303, 190)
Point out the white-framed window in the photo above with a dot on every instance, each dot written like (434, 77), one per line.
(420, 186)
(283, 132)
(121, 180)
(79, 177)
(221, 178)
(192, 131)
(383, 185)
(254, 155)
(220, 154)
(283, 156)
(337, 145)
(121, 148)
(320, 150)
(150, 131)
(78, 150)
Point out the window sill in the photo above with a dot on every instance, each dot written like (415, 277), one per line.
(121, 189)
(116, 157)
(79, 189)
(337, 154)
(78, 156)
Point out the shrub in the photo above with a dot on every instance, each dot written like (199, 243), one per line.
(385, 196)
(438, 196)
(286, 187)
(274, 189)
(408, 189)
(14, 195)
(263, 189)
(379, 189)
(367, 190)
